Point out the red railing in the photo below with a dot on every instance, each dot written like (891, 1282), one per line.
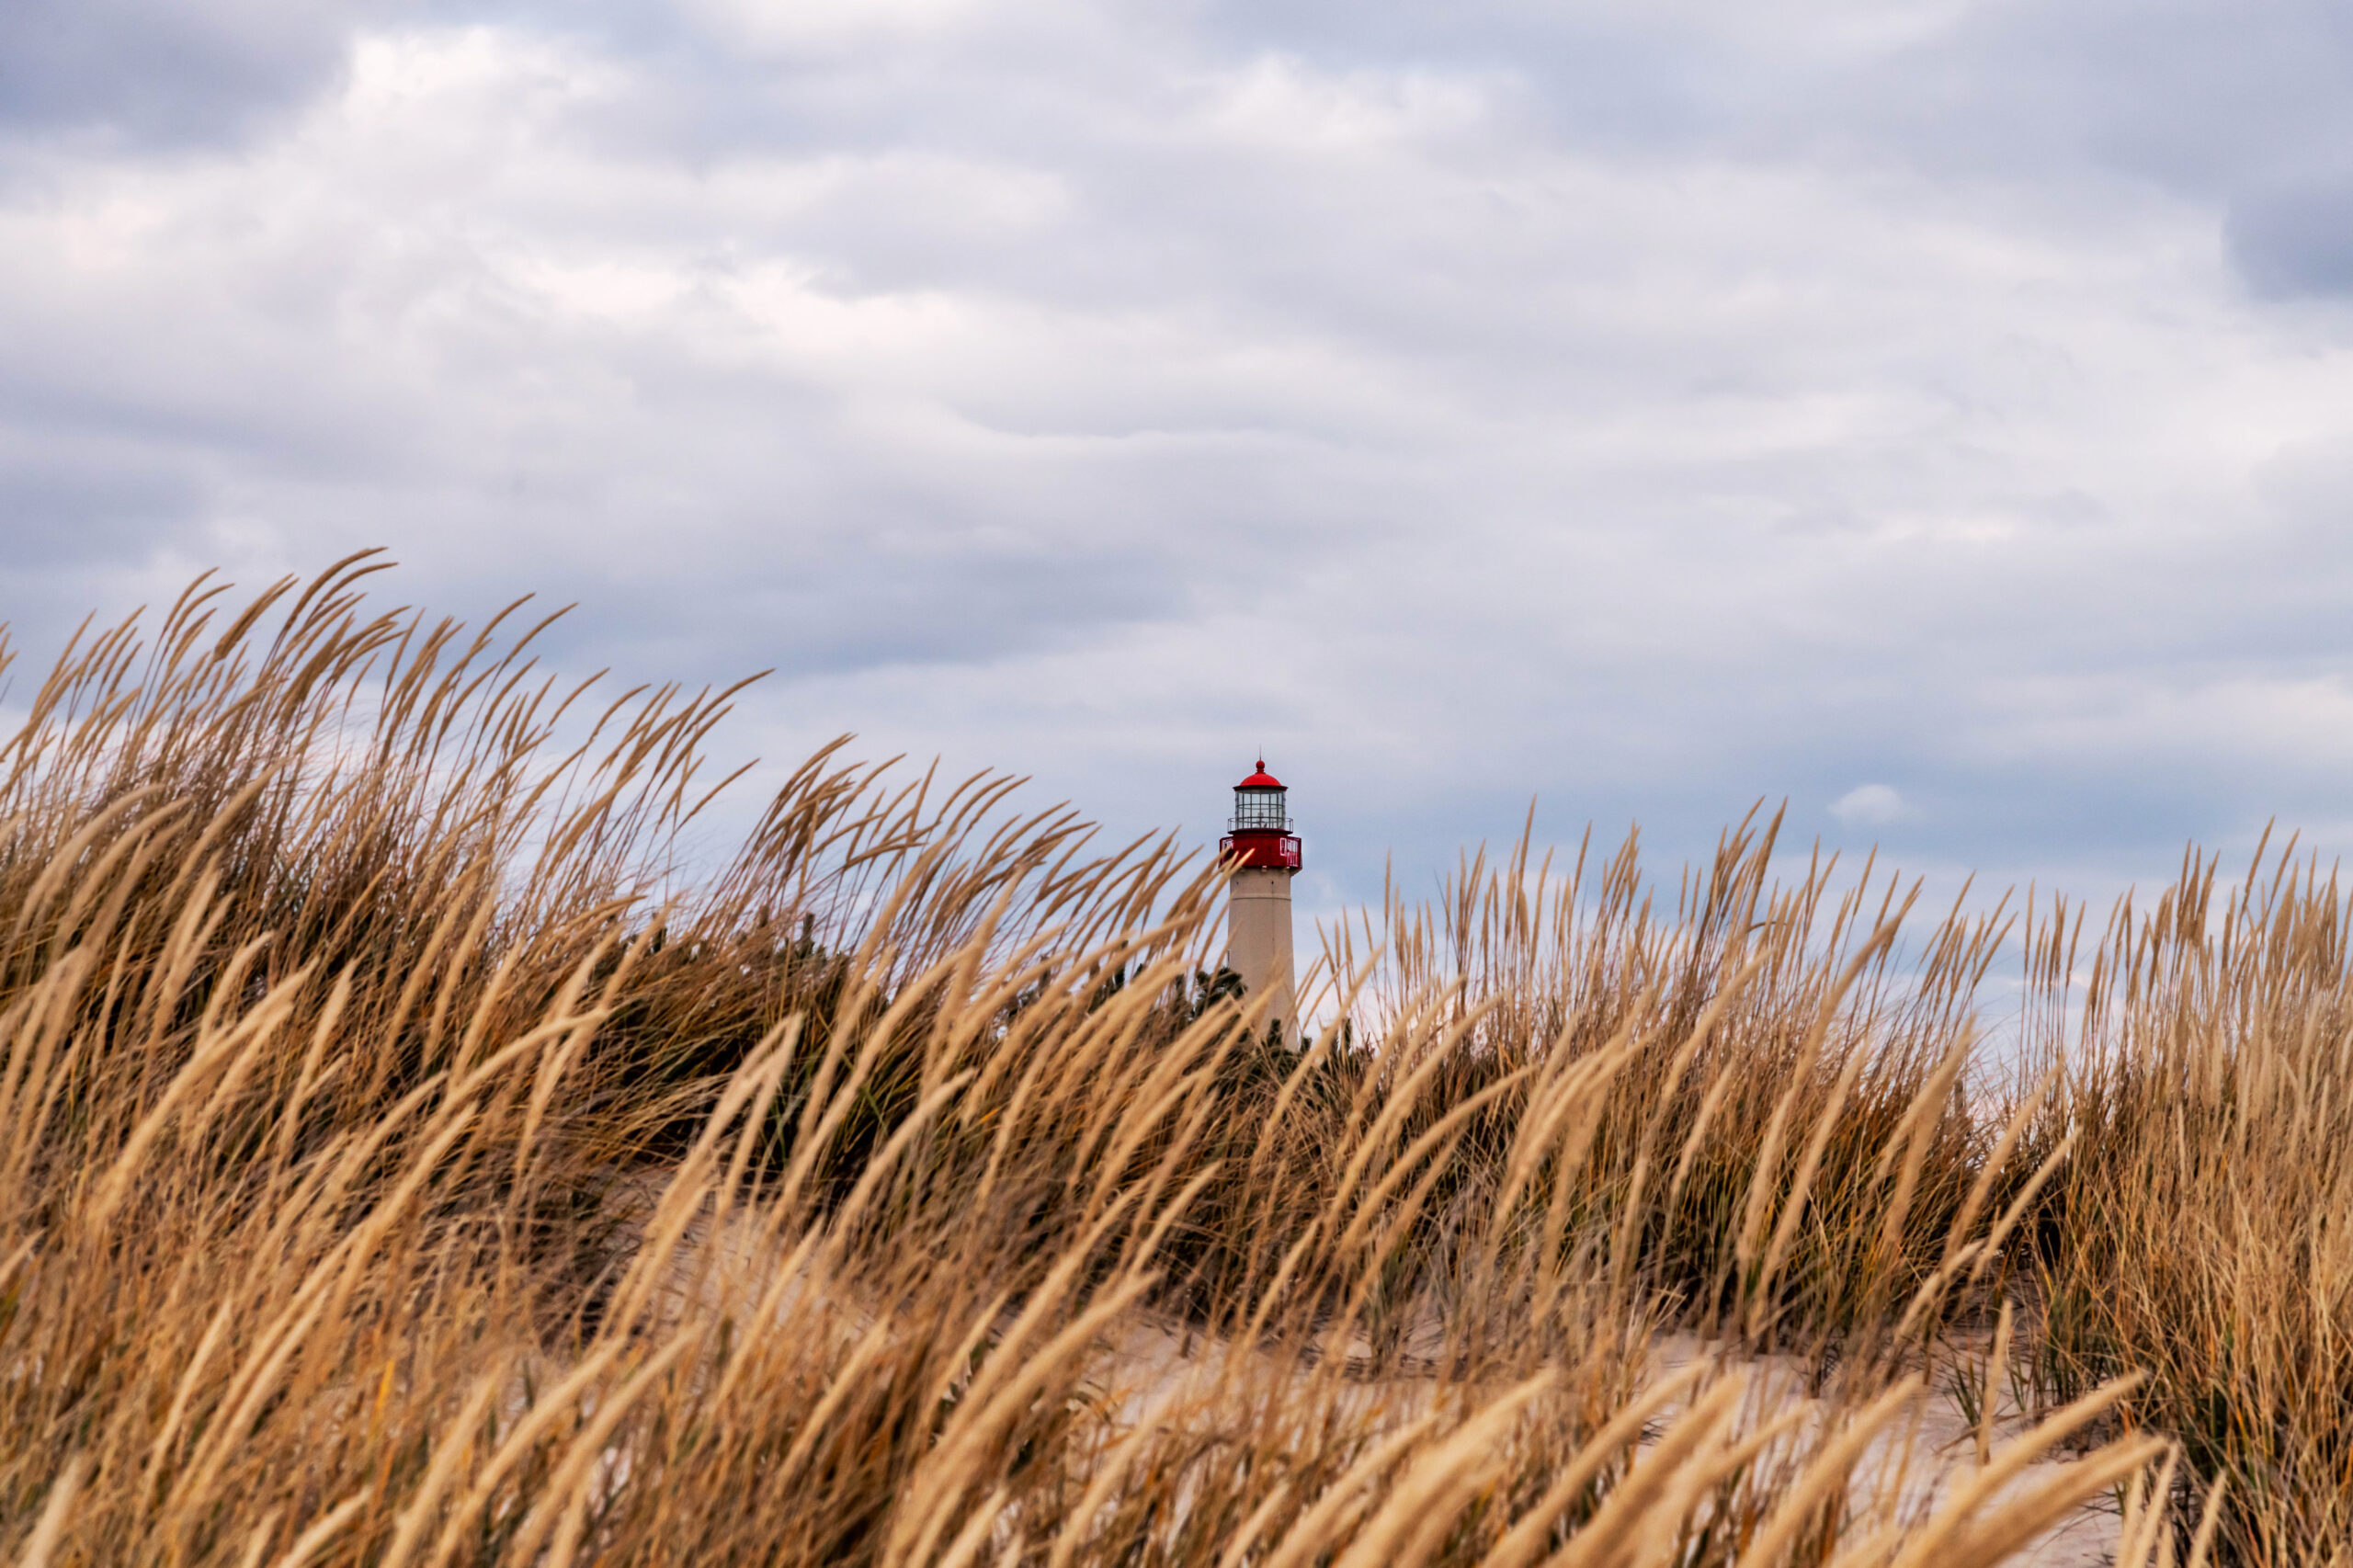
(1260, 851)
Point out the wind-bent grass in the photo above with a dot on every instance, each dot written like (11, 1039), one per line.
(2201, 1226)
(400, 1162)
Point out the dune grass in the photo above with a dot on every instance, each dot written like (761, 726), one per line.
(408, 1156)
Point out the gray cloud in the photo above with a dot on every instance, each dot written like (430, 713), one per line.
(154, 71)
(2295, 238)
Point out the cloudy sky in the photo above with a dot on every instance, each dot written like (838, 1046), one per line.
(1936, 413)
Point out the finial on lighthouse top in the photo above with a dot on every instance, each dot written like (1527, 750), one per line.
(1262, 839)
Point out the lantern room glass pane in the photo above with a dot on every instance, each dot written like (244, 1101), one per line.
(1258, 811)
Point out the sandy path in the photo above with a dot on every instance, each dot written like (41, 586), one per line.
(1149, 1370)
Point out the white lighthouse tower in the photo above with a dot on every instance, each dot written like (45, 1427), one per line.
(1264, 854)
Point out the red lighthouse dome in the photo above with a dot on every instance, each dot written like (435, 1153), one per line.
(1261, 839)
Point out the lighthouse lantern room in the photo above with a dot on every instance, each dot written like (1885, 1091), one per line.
(1261, 839)
(1263, 854)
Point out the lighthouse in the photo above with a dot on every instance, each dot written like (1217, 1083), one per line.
(1264, 853)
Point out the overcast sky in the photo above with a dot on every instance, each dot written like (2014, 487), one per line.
(1939, 415)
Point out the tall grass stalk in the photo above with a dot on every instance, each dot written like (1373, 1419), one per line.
(408, 1160)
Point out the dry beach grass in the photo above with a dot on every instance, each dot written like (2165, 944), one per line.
(406, 1162)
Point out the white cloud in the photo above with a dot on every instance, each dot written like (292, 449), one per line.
(1869, 805)
(799, 26)
(1652, 424)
